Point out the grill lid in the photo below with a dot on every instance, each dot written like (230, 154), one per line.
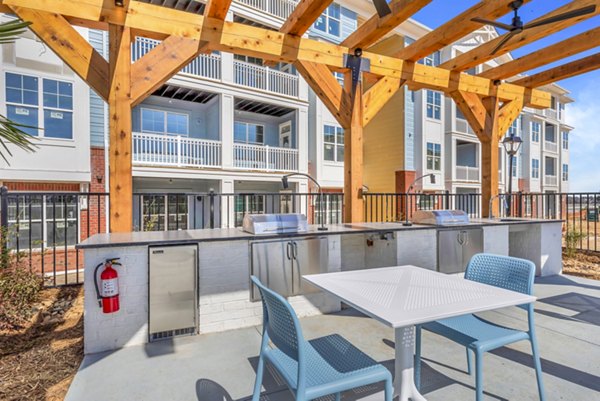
(440, 217)
(274, 223)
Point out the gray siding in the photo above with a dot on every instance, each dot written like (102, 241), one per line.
(98, 117)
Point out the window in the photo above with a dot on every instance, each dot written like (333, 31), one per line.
(561, 111)
(514, 166)
(459, 114)
(565, 140)
(432, 60)
(54, 119)
(333, 143)
(164, 212)
(553, 103)
(339, 77)
(48, 220)
(248, 59)
(254, 204)
(332, 204)
(536, 130)
(434, 105)
(514, 127)
(249, 133)
(434, 156)
(535, 168)
(164, 122)
(565, 172)
(330, 21)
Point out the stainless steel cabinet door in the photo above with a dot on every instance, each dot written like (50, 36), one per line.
(272, 264)
(450, 253)
(173, 288)
(472, 244)
(310, 256)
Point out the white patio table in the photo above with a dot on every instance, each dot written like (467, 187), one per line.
(403, 296)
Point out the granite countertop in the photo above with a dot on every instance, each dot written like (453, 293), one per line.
(236, 234)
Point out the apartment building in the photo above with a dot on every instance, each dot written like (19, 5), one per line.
(230, 124)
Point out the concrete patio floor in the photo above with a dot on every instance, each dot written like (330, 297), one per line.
(221, 367)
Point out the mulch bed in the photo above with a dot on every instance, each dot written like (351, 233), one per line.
(583, 264)
(39, 361)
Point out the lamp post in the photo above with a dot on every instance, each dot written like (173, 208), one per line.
(432, 178)
(286, 185)
(511, 144)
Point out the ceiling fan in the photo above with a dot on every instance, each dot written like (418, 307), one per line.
(382, 8)
(517, 25)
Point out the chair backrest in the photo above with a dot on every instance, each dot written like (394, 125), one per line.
(280, 321)
(502, 271)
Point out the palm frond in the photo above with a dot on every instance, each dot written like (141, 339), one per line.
(11, 133)
(10, 31)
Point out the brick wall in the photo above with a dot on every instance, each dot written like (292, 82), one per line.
(93, 219)
(25, 186)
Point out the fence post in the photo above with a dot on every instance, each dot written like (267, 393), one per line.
(447, 199)
(211, 196)
(4, 253)
(520, 197)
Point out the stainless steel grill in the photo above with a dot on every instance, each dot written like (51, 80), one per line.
(440, 217)
(274, 223)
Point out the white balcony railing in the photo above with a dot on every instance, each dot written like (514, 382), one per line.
(278, 8)
(551, 180)
(550, 113)
(550, 146)
(268, 158)
(205, 65)
(265, 78)
(467, 173)
(180, 151)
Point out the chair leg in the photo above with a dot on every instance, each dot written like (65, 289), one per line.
(338, 396)
(389, 390)
(478, 375)
(538, 367)
(259, 377)
(469, 371)
(417, 357)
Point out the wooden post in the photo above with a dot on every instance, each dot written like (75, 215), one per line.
(119, 106)
(353, 154)
(489, 155)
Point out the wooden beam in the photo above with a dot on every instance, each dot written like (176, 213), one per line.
(217, 9)
(328, 89)
(508, 113)
(70, 46)
(559, 73)
(275, 46)
(378, 95)
(473, 109)
(160, 64)
(303, 16)
(119, 105)
(455, 29)
(566, 48)
(390, 45)
(483, 52)
(353, 154)
(376, 28)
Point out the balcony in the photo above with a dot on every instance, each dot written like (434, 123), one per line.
(177, 151)
(265, 78)
(551, 180)
(550, 113)
(266, 158)
(277, 8)
(550, 146)
(467, 173)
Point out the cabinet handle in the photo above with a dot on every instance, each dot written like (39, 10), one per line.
(287, 250)
(295, 250)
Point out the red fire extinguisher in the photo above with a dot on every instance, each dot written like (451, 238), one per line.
(108, 293)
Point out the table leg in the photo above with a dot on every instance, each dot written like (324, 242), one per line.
(404, 383)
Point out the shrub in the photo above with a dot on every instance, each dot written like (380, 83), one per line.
(19, 289)
(572, 238)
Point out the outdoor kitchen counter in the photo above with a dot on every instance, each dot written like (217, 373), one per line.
(236, 234)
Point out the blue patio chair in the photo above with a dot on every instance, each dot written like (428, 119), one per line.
(479, 335)
(327, 365)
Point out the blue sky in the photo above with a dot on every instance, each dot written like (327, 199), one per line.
(584, 114)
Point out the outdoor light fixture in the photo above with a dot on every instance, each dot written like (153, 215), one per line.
(432, 180)
(286, 185)
(511, 144)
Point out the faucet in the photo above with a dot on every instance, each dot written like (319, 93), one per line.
(491, 208)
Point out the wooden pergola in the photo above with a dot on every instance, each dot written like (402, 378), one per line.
(488, 101)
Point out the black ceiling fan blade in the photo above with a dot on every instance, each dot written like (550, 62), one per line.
(505, 39)
(382, 8)
(561, 17)
(500, 25)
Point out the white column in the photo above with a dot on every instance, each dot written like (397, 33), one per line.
(227, 203)
(302, 187)
(302, 88)
(302, 139)
(226, 111)
(227, 60)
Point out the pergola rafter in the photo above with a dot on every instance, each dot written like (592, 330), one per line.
(490, 106)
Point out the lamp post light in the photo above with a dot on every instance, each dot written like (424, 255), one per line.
(286, 185)
(432, 180)
(511, 144)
